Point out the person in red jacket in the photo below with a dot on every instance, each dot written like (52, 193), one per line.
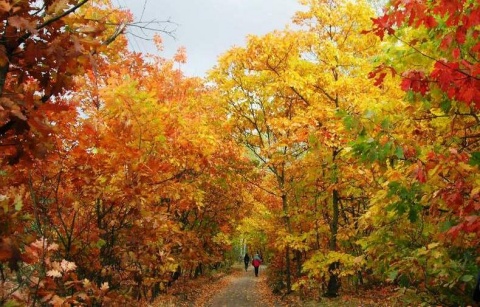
(256, 263)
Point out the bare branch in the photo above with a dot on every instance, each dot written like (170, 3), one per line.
(153, 26)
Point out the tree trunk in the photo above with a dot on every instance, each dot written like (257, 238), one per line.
(298, 260)
(3, 76)
(334, 281)
(288, 272)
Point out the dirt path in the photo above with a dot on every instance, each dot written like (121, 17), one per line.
(244, 290)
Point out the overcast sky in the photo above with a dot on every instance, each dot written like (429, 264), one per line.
(208, 28)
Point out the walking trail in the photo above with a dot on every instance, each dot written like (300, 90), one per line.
(244, 290)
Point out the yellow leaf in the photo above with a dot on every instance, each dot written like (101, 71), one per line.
(475, 191)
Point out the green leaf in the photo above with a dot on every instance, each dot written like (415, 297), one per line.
(399, 152)
(404, 281)
(11, 304)
(393, 275)
(161, 138)
(466, 278)
(393, 188)
(446, 105)
(412, 215)
(348, 121)
(410, 96)
(475, 159)
(407, 202)
(446, 226)
(100, 243)
(385, 151)
(386, 125)
(312, 139)
(18, 205)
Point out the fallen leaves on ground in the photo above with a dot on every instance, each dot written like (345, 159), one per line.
(200, 291)
(195, 292)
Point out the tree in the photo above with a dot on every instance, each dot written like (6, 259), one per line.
(44, 45)
(452, 25)
(262, 107)
(286, 94)
(431, 193)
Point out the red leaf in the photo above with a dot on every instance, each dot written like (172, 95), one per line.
(476, 48)
(420, 173)
(379, 73)
(406, 84)
(456, 53)
(446, 41)
(382, 24)
(461, 34)
(473, 19)
(379, 79)
(454, 231)
(430, 22)
(416, 81)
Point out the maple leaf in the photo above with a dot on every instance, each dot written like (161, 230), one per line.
(54, 273)
(104, 287)
(86, 283)
(23, 24)
(157, 39)
(57, 301)
(67, 266)
(52, 247)
(381, 25)
(181, 55)
(58, 7)
(416, 81)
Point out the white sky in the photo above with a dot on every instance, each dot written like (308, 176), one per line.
(208, 28)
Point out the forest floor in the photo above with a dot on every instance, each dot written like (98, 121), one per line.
(239, 288)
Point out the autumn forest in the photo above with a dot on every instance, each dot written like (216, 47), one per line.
(345, 148)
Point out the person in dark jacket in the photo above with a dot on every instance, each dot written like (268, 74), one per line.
(246, 259)
(256, 263)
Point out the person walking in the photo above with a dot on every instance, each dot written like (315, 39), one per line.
(256, 263)
(246, 259)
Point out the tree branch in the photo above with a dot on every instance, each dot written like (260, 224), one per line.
(52, 20)
(434, 59)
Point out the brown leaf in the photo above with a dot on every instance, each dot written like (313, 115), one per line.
(22, 24)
